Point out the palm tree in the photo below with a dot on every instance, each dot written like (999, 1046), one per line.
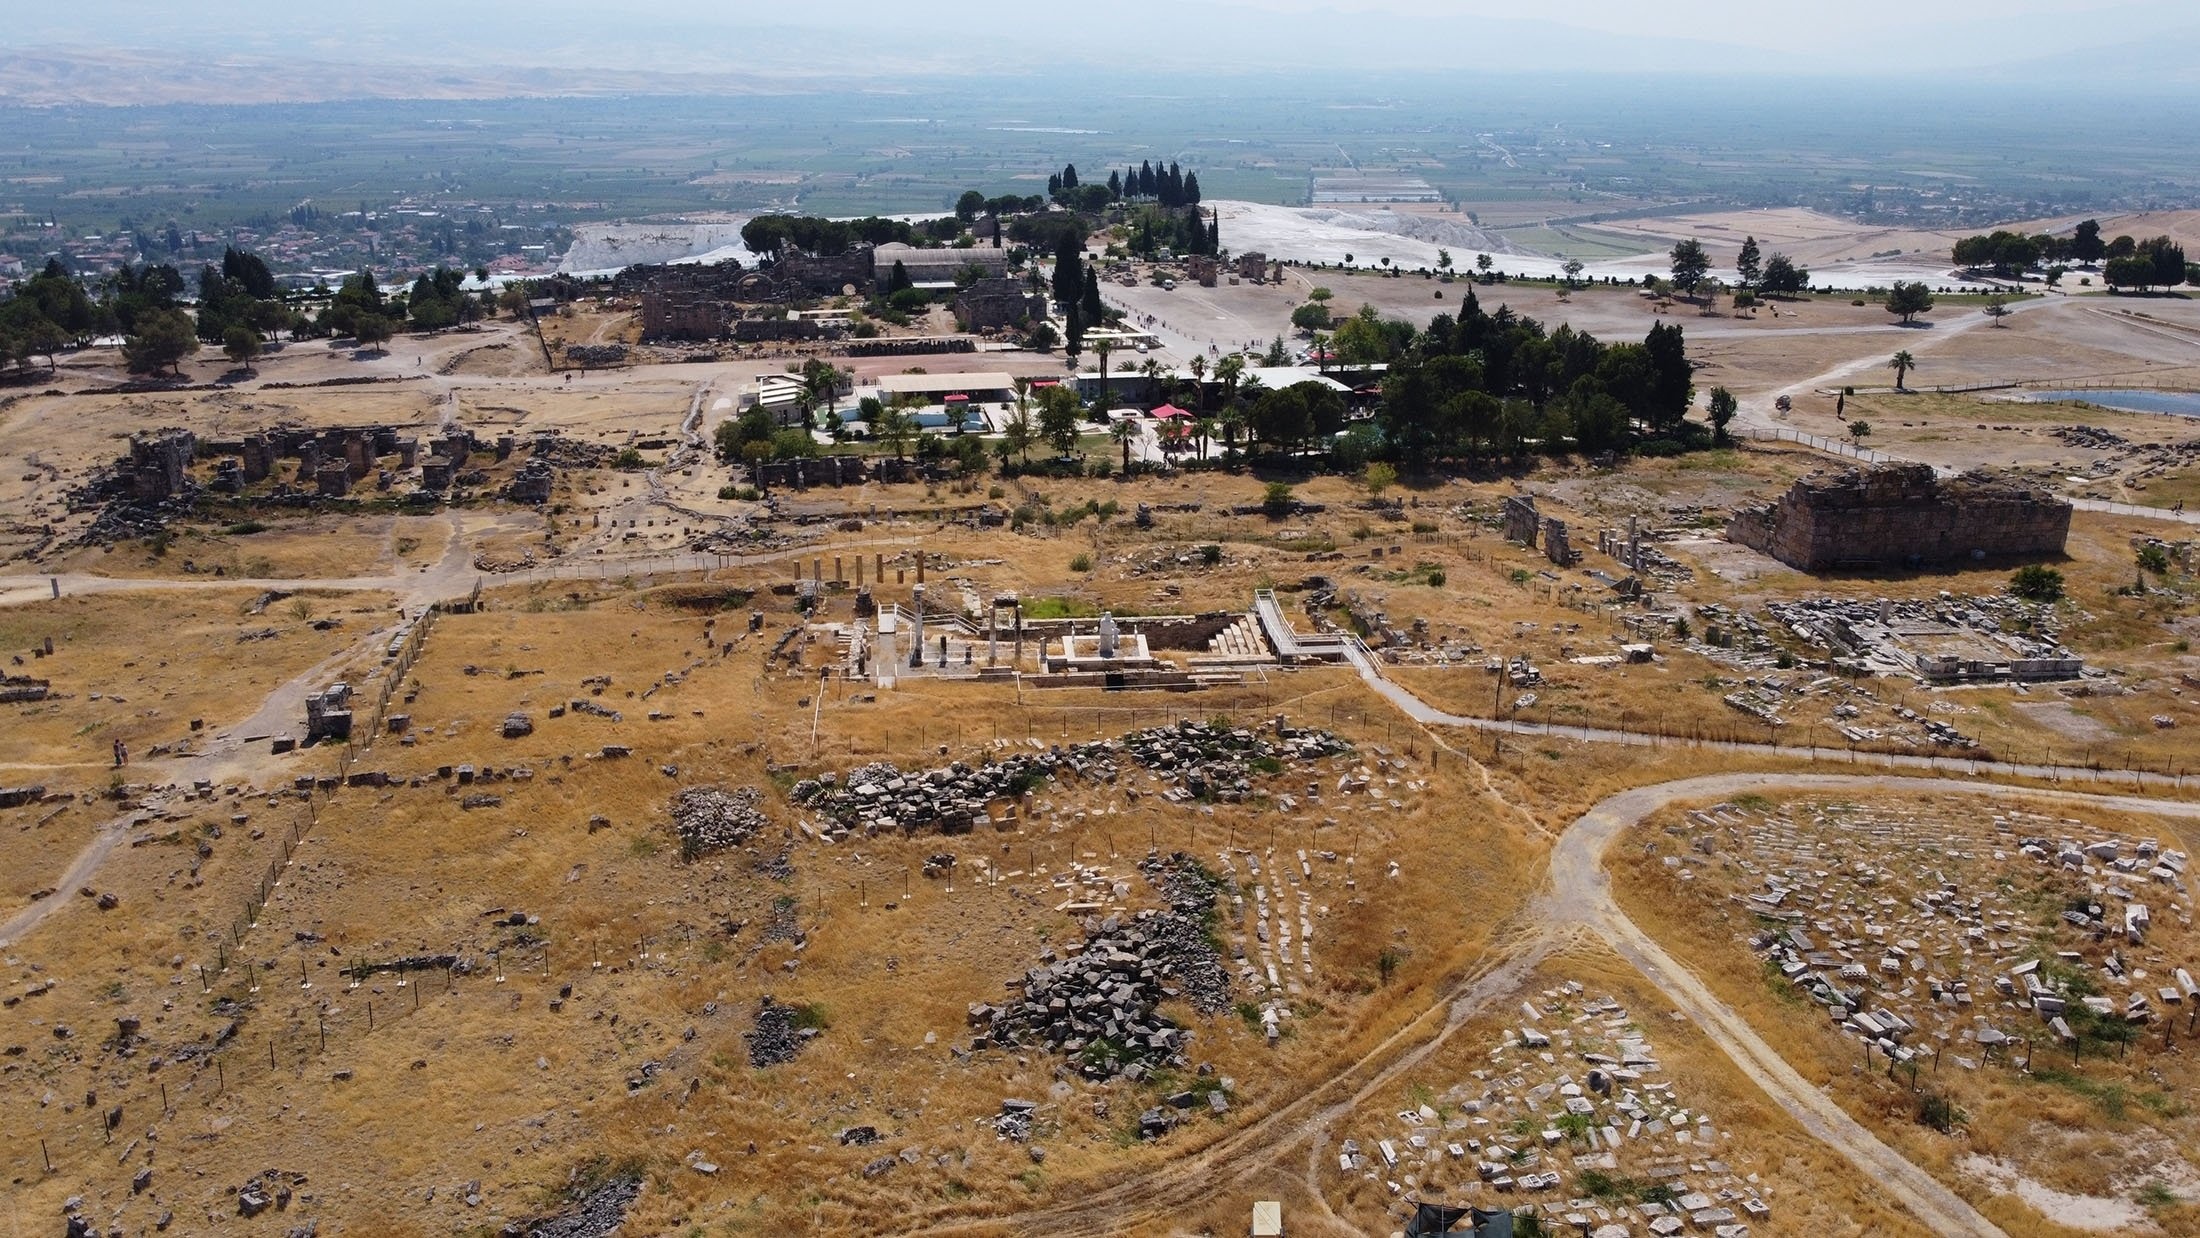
(1902, 364)
(1104, 347)
(1124, 432)
(1233, 421)
(1199, 383)
(1227, 372)
(1205, 428)
(958, 415)
(1017, 435)
(897, 427)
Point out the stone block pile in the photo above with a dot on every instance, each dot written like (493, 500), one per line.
(777, 1037)
(1098, 1004)
(1097, 1001)
(711, 819)
(1195, 761)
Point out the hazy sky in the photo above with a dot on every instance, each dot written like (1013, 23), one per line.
(1806, 37)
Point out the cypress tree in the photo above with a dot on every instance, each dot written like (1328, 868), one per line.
(1145, 179)
(1069, 176)
(1115, 185)
(1191, 190)
(1214, 235)
(1091, 306)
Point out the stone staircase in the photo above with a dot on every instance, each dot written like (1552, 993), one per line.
(1240, 645)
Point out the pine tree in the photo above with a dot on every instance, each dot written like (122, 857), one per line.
(1750, 266)
(1069, 276)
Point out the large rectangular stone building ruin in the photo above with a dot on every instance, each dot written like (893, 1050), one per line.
(1903, 516)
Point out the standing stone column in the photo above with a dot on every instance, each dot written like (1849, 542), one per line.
(916, 630)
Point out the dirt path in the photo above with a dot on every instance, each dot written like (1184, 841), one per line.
(72, 878)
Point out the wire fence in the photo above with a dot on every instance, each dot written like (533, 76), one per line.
(1820, 443)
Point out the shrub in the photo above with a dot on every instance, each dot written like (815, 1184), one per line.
(2035, 583)
(1436, 579)
(1081, 563)
(1277, 499)
(244, 527)
(1210, 555)
(629, 460)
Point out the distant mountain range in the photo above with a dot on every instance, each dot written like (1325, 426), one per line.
(118, 52)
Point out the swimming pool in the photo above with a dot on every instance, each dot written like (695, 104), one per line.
(2182, 403)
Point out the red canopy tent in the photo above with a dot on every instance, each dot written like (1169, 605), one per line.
(1169, 410)
(958, 398)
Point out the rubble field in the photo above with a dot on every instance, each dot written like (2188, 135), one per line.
(1950, 963)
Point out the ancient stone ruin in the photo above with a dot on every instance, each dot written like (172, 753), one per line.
(1903, 516)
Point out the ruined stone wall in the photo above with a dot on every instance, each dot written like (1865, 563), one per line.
(671, 316)
(1902, 515)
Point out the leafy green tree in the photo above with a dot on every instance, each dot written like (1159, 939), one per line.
(1860, 430)
(2086, 245)
(1901, 363)
(792, 442)
(1723, 407)
(1782, 277)
(241, 344)
(1361, 340)
(1059, 414)
(1908, 299)
(373, 331)
(970, 205)
(1443, 260)
(2168, 258)
(1749, 267)
(1377, 478)
(1997, 308)
(162, 340)
(736, 433)
(2130, 271)
(1573, 271)
(1690, 264)
(1482, 263)
(1310, 317)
